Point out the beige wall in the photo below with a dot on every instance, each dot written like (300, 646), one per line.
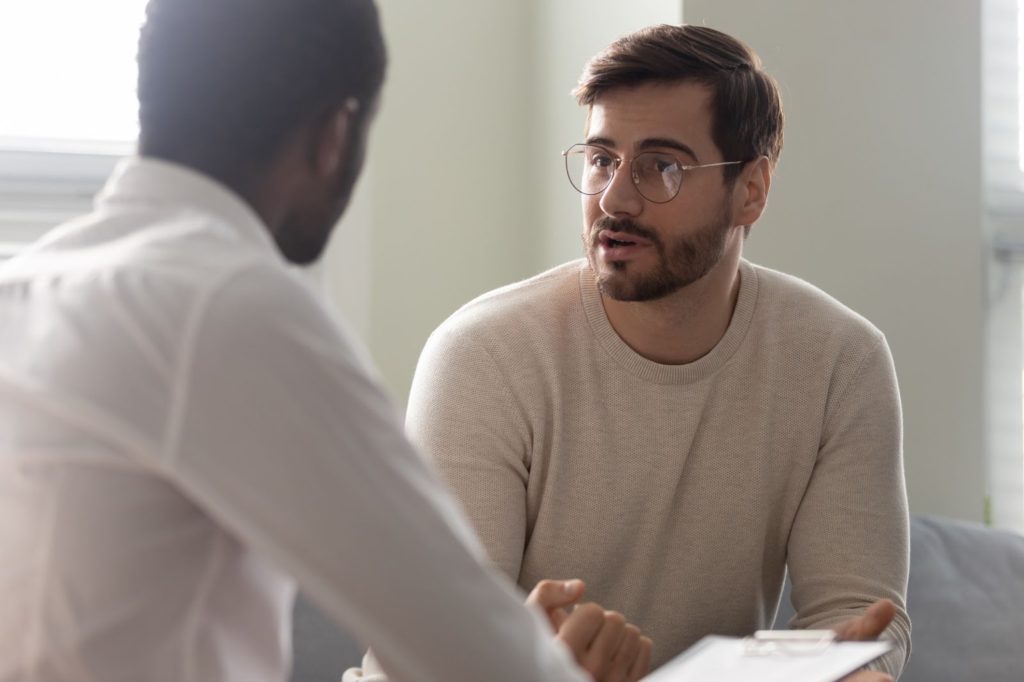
(878, 200)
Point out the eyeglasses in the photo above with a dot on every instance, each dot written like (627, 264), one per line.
(657, 175)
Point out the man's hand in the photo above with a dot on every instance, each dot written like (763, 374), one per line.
(603, 644)
(867, 626)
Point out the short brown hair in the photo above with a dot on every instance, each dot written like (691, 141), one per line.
(746, 107)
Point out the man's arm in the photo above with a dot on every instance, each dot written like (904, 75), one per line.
(849, 545)
(280, 435)
(463, 415)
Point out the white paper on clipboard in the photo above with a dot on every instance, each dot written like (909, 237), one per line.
(728, 659)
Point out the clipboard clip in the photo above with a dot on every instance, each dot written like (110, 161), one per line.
(788, 642)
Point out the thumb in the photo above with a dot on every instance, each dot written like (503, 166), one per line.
(871, 623)
(554, 594)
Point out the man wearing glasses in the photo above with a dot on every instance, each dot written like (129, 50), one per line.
(664, 419)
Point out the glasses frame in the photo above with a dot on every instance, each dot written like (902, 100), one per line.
(618, 163)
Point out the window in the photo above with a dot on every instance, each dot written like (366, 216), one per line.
(68, 73)
(1003, 144)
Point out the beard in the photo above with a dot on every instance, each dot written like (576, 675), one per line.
(680, 262)
(306, 231)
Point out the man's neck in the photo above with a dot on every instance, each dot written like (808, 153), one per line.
(683, 326)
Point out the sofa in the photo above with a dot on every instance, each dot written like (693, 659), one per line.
(965, 598)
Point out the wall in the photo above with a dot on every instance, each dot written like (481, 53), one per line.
(569, 33)
(878, 200)
(466, 190)
(452, 216)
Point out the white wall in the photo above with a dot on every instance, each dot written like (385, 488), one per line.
(452, 216)
(878, 200)
(465, 189)
(569, 33)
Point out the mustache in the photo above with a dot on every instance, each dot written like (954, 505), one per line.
(625, 225)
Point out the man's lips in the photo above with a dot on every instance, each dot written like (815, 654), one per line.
(619, 246)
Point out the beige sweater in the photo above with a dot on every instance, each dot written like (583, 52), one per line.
(678, 493)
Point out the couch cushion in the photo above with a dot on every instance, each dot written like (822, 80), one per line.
(966, 603)
(322, 651)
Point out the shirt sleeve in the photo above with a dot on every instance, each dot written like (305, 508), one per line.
(283, 437)
(462, 414)
(849, 544)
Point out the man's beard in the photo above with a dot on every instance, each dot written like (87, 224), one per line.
(305, 234)
(681, 262)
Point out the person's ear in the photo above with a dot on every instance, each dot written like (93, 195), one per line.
(751, 191)
(331, 142)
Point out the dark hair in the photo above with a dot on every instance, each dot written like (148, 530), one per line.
(223, 83)
(746, 106)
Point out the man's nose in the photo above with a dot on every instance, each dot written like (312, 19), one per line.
(620, 197)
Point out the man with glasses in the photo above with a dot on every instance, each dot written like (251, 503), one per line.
(664, 419)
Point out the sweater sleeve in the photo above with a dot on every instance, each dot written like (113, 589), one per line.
(849, 544)
(463, 415)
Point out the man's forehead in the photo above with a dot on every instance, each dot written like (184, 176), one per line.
(628, 116)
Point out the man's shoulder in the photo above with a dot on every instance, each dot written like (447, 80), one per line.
(531, 303)
(793, 303)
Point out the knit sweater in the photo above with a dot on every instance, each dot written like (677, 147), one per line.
(678, 493)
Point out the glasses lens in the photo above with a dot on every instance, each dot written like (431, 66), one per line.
(657, 176)
(590, 168)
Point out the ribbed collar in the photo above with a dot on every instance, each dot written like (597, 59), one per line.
(160, 184)
(655, 372)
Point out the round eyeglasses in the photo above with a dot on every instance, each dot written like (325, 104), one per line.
(656, 175)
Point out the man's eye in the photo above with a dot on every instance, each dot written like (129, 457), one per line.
(666, 165)
(601, 160)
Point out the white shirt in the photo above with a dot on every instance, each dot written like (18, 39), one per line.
(183, 427)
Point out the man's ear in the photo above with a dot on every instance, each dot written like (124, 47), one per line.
(751, 193)
(331, 141)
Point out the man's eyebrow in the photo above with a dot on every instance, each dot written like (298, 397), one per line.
(648, 144)
(667, 142)
(601, 142)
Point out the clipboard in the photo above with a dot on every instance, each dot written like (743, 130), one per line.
(770, 656)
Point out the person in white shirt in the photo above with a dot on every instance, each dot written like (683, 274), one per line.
(186, 433)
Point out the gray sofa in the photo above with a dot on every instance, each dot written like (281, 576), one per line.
(965, 597)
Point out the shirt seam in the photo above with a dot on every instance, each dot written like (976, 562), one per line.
(191, 630)
(171, 437)
(35, 637)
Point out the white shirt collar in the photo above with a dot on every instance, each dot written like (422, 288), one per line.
(155, 182)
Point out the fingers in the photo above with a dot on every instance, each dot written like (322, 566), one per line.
(642, 663)
(604, 645)
(870, 624)
(603, 649)
(629, 649)
(552, 594)
(580, 628)
(868, 676)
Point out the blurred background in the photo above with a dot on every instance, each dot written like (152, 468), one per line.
(900, 189)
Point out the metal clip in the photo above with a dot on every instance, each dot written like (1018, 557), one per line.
(788, 642)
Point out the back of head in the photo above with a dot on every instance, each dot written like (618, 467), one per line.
(746, 106)
(224, 83)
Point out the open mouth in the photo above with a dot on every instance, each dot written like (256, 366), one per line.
(616, 240)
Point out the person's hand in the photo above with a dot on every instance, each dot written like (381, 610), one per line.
(554, 597)
(869, 625)
(603, 643)
(868, 676)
